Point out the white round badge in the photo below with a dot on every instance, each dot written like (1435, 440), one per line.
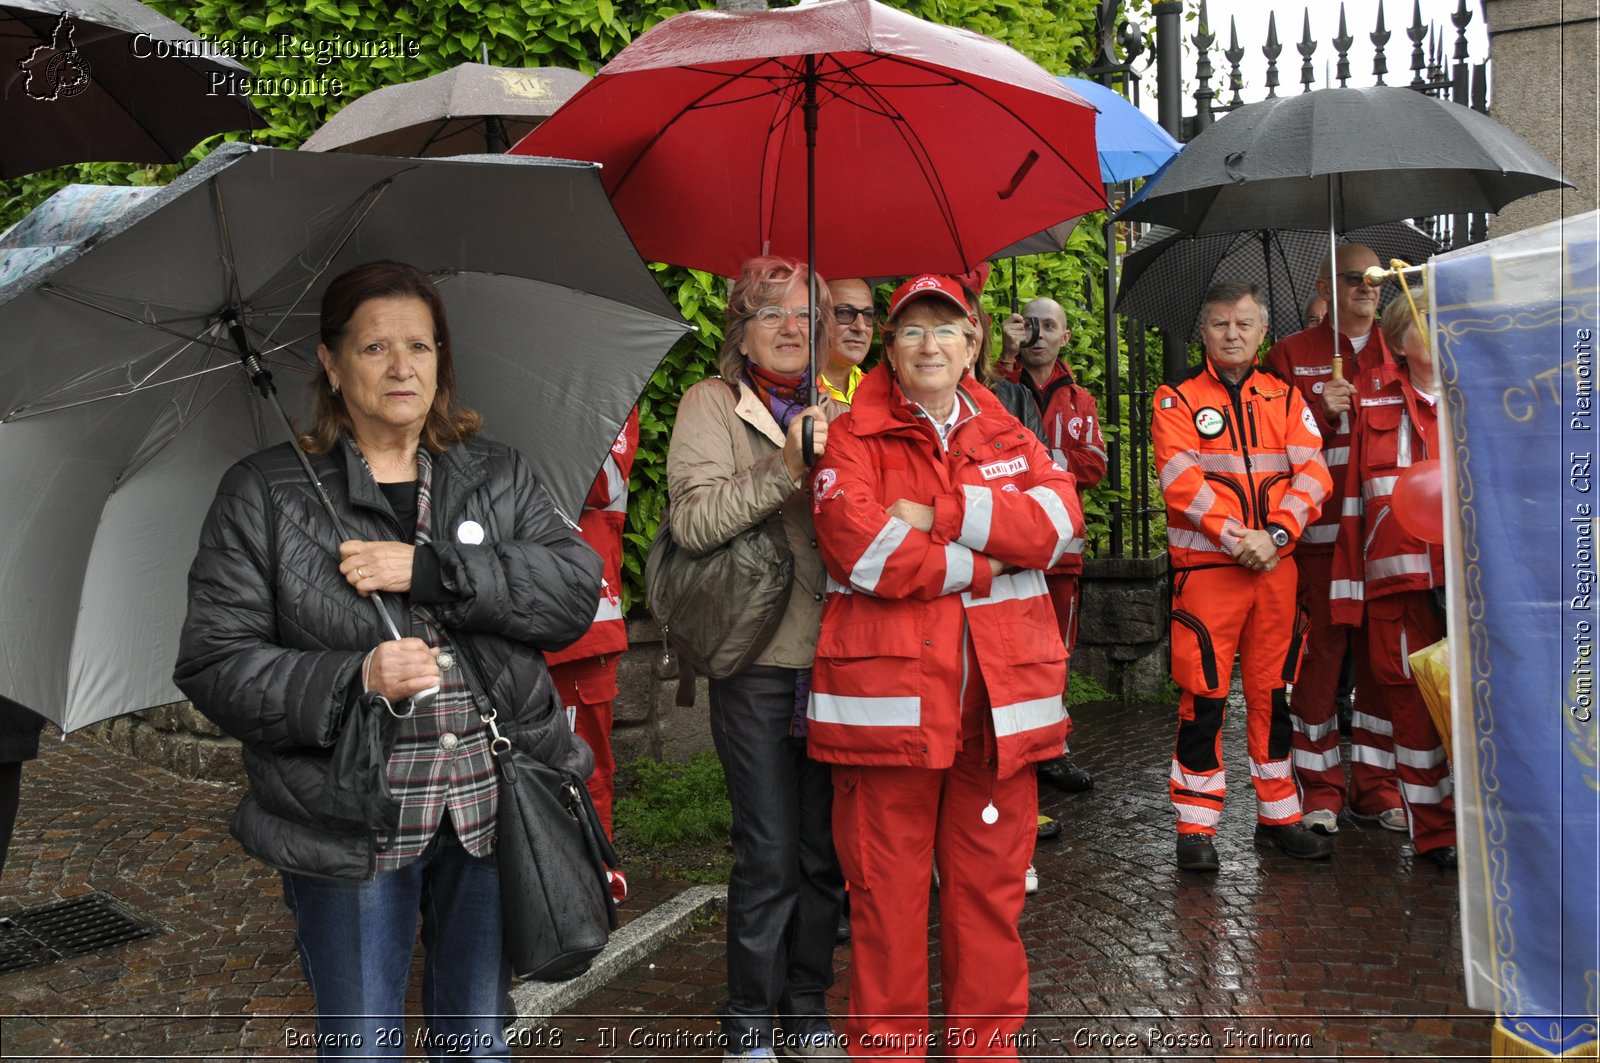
(1310, 421)
(1208, 422)
(991, 814)
(469, 532)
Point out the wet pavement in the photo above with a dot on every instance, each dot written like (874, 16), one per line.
(1358, 957)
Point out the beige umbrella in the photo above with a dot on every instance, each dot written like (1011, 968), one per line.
(469, 109)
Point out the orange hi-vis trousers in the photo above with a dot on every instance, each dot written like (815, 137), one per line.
(1215, 612)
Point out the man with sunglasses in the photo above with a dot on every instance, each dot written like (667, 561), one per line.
(849, 337)
(1306, 360)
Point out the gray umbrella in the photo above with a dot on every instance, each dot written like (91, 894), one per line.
(108, 80)
(124, 399)
(467, 109)
(1167, 273)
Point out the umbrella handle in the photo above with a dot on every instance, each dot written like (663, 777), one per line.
(1338, 366)
(807, 440)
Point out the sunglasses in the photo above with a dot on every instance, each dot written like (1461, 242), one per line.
(1353, 277)
(845, 314)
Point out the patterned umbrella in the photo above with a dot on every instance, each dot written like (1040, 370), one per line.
(1165, 276)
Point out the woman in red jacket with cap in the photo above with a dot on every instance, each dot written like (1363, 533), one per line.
(938, 677)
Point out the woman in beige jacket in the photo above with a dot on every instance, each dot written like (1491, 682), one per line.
(785, 889)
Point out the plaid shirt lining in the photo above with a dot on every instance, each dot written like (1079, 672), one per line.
(423, 775)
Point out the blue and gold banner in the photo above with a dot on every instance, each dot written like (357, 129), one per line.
(1516, 324)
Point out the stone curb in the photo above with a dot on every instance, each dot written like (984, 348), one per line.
(538, 1002)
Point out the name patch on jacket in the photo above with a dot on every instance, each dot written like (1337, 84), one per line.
(1392, 400)
(1313, 370)
(995, 470)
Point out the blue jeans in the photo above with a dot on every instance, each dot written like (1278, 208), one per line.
(356, 940)
(786, 889)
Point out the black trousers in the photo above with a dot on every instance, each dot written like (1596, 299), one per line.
(785, 890)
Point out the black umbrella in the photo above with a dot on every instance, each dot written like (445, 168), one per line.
(1341, 159)
(468, 108)
(1165, 276)
(108, 81)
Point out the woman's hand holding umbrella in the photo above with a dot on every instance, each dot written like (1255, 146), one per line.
(795, 448)
(401, 669)
(377, 566)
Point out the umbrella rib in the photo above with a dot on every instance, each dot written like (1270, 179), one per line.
(131, 319)
(371, 200)
(25, 412)
(187, 417)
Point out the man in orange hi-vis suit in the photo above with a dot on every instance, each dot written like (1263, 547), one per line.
(1240, 461)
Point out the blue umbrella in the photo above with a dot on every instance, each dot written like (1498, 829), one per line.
(1130, 144)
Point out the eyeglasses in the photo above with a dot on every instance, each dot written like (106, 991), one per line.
(913, 335)
(1354, 277)
(775, 316)
(845, 314)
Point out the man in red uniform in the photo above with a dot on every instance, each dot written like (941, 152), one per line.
(1240, 462)
(1305, 359)
(585, 673)
(1388, 579)
(1072, 432)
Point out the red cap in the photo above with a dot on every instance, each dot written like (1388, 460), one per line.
(929, 284)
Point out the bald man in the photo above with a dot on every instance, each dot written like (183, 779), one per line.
(1306, 360)
(1072, 432)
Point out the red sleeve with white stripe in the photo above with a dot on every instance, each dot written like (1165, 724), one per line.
(872, 552)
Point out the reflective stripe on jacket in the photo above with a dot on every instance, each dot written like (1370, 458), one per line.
(1375, 556)
(904, 605)
(1305, 360)
(1071, 423)
(605, 513)
(1232, 458)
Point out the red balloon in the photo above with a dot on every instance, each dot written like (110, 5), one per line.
(1418, 501)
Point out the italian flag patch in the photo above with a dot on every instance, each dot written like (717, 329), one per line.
(1167, 404)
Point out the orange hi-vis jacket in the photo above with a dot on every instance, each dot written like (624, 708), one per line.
(1232, 458)
(1395, 428)
(605, 513)
(1305, 359)
(909, 611)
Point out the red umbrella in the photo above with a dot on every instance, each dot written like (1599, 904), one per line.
(932, 147)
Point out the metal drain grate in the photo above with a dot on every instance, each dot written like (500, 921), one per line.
(34, 937)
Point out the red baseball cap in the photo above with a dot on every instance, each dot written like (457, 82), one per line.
(930, 284)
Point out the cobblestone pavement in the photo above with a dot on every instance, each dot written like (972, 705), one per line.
(1354, 958)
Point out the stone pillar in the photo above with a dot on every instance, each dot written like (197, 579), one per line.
(1546, 65)
(1122, 627)
(649, 722)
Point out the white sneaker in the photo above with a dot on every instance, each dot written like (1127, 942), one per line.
(1393, 819)
(1030, 880)
(1322, 821)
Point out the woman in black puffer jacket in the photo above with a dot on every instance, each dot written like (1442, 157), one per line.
(280, 650)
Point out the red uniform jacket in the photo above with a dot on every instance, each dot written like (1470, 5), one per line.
(1231, 459)
(1305, 359)
(908, 611)
(1072, 432)
(605, 512)
(1395, 428)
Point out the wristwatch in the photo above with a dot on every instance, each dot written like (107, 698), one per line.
(1280, 535)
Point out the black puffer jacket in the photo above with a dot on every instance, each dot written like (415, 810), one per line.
(272, 646)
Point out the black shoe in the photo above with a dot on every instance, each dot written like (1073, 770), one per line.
(841, 933)
(1443, 858)
(1065, 775)
(1296, 840)
(1196, 853)
(1048, 828)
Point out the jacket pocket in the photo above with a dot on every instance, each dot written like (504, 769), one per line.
(1380, 441)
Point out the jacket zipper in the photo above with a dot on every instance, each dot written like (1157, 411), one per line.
(1244, 448)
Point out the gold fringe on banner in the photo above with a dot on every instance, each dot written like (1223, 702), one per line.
(1503, 1044)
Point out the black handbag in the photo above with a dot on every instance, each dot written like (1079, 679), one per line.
(720, 610)
(556, 907)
